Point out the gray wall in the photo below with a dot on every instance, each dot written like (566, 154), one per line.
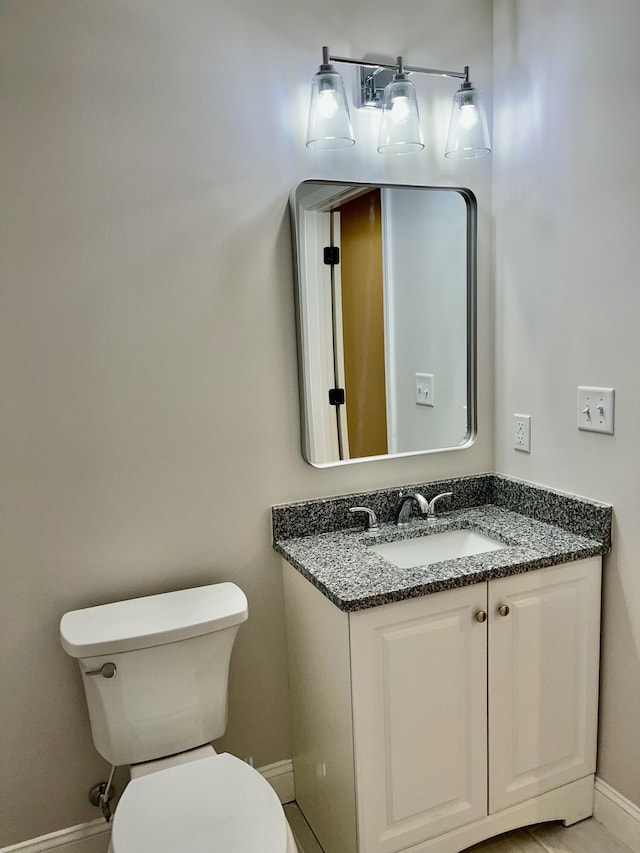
(148, 401)
(566, 245)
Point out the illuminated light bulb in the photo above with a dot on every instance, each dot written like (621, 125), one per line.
(328, 105)
(400, 110)
(468, 116)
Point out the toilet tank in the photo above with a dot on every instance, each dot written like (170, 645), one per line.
(171, 654)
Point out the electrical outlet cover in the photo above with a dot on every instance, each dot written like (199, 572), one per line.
(522, 433)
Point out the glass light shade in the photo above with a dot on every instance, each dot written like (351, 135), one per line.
(468, 132)
(400, 131)
(329, 122)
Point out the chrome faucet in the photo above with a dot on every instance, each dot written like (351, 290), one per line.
(426, 507)
(404, 507)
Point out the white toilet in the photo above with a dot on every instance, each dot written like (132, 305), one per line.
(155, 673)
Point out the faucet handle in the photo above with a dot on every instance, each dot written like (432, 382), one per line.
(432, 502)
(372, 520)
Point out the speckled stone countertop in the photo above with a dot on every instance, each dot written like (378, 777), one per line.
(341, 564)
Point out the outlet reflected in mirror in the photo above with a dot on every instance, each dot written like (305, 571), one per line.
(385, 299)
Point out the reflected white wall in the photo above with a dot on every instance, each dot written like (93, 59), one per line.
(425, 263)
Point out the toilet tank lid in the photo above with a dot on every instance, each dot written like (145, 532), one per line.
(153, 620)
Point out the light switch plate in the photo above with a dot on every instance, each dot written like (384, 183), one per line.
(424, 389)
(596, 409)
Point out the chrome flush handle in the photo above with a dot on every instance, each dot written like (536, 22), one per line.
(107, 670)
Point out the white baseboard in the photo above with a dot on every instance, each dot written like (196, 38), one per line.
(61, 839)
(618, 815)
(279, 775)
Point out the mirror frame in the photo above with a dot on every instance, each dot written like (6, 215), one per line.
(471, 319)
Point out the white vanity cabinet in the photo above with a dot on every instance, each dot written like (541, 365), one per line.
(419, 693)
(422, 724)
(543, 680)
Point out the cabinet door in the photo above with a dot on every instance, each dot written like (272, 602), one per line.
(419, 712)
(543, 680)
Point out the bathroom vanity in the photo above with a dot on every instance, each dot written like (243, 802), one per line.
(440, 704)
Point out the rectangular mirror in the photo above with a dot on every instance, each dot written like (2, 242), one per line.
(386, 315)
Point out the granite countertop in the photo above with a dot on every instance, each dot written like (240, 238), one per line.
(342, 566)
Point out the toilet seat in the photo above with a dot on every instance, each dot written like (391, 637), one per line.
(214, 805)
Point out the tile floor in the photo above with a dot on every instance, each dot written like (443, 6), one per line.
(588, 836)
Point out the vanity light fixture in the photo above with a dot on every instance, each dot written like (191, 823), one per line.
(468, 132)
(400, 131)
(388, 87)
(329, 121)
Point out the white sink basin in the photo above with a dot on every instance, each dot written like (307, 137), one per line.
(422, 550)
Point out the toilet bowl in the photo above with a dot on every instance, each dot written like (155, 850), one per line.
(216, 803)
(155, 673)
